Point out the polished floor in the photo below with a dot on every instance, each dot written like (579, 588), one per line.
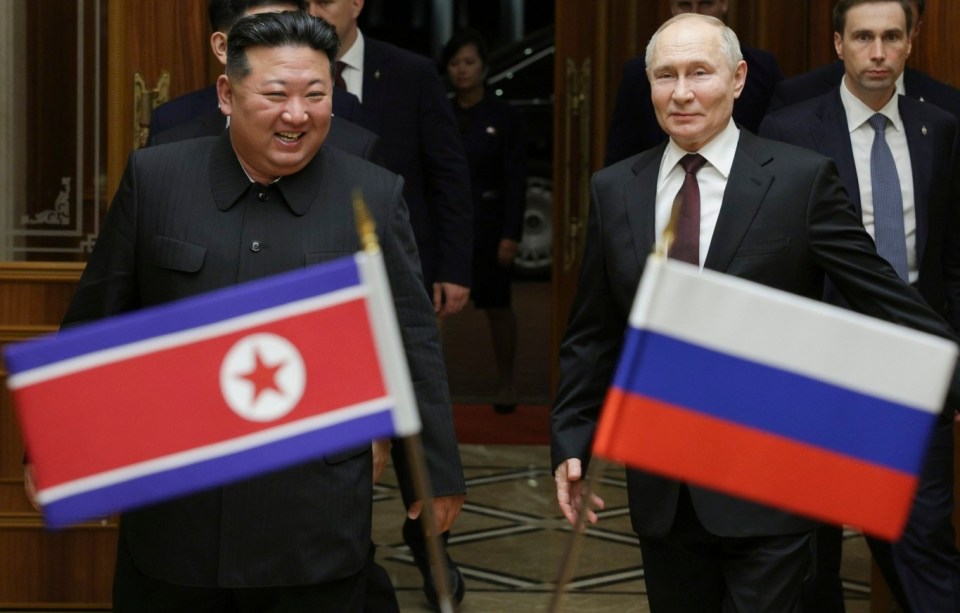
(510, 540)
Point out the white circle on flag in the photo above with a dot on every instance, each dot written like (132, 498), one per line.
(262, 377)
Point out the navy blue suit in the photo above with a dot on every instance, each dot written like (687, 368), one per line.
(916, 84)
(197, 103)
(634, 126)
(923, 567)
(405, 104)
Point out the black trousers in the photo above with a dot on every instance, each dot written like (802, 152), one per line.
(135, 592)
(693, 571)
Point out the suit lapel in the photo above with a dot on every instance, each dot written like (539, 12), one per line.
(640, 200)
(746, 188)
(834, 141)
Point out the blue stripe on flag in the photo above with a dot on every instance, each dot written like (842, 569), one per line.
(145, 490)
(773, 400)
(194, 312)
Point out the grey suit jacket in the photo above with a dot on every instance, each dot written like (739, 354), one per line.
(820, 124)
(182, 223)
(786, 222)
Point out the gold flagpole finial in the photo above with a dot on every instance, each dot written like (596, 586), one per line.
(366, 228)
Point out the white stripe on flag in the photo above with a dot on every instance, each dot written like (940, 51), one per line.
(796, 334)
(183, 337)
(216, 450)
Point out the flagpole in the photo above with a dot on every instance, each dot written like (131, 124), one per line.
(413, 444)
(572, 554)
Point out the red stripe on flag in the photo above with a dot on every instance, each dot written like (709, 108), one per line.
(647, 434)
(169, 401)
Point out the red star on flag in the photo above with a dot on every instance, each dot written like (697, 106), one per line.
(263, 377)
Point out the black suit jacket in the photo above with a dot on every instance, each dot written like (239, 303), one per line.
(786, 222)
(344, 135)
(405, 104)
(496, 151)
(634, 127)
(820, 124)
(916, 84)
(201, 102)
(182, 223)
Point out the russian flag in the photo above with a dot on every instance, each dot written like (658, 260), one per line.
(768, 396)
(193, 394)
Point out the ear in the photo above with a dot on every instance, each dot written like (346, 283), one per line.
(357, 7)
(225, 94)
(739, 78)
(218, 42)
(838, 44)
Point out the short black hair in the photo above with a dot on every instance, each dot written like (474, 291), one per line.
(296, 29)
(843, 6)
(224, 13)
(921, 4)
(460, 40)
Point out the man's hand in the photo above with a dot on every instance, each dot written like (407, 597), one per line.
(449, 298)
(381, 453)
(570, 488)
(445, 510)
(507, 252)
(29, 486)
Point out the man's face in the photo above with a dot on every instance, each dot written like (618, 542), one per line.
(874, 48)
(342, 14)
(714, 8)
(279, 112)
(691, 83)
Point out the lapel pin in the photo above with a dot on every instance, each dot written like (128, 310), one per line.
(491, 130)
(376, 75)
(923, 130)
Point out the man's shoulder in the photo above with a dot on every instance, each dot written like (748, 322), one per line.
(778, 156)
(924, 87)
(811, 84)
(397, 55)
(185, 107)
(208, 124)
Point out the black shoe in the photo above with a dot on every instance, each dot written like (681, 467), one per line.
(413, 537)
(457, 587)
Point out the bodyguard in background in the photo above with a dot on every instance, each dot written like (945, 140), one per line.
(897, 160)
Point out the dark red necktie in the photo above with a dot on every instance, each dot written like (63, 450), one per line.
(338, 80)
(686, 244)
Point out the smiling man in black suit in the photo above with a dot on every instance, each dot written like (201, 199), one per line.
(264, 197)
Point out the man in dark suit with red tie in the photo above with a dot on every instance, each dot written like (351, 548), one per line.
(872, 41)
(404, 103)
(769, 212)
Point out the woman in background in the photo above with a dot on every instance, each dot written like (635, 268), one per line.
(496, 150)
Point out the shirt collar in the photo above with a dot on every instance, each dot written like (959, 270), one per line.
(859, 113)
(230, 181)
(719, 152)
(353, 57)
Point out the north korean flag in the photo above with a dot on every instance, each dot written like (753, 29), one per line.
(157, 403)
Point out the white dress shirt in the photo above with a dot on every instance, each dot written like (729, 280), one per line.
(712, 180)
(352, 73)
(861, 139)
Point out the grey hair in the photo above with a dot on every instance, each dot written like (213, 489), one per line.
(729, 43)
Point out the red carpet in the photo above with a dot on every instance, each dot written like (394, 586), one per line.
(478, 424)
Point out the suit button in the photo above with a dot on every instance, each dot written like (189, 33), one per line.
(262, 196)
(255, 246)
